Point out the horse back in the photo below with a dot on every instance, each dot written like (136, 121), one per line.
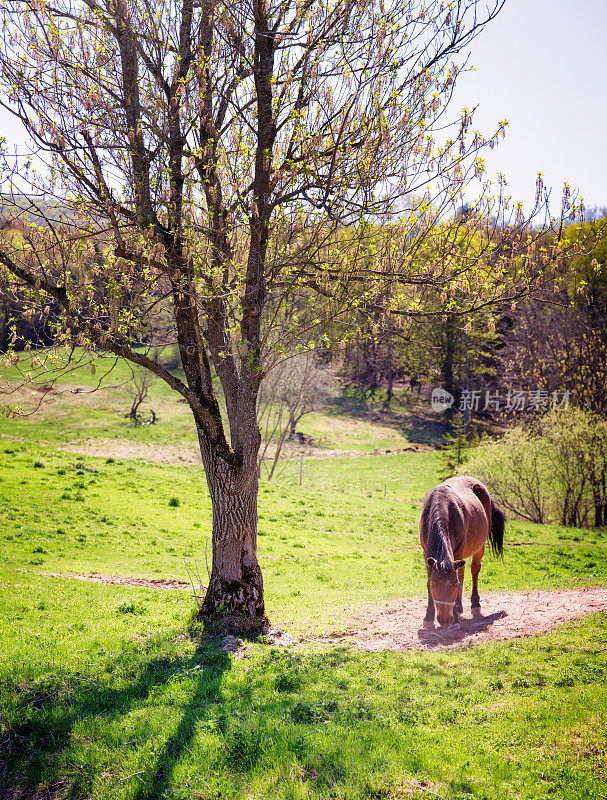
(467, 505)
(469, 488)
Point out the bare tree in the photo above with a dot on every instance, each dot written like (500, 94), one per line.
(138, 388)
(293, 388)
(219, 165)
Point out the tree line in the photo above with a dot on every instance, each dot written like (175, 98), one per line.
(554, 341)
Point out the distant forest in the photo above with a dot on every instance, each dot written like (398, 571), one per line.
(546, 348)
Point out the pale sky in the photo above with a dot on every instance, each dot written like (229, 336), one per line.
(541, 65)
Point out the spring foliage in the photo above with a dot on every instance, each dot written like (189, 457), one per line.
(555, 470)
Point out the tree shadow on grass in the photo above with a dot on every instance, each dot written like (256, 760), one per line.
(207, 690)
(34, 762)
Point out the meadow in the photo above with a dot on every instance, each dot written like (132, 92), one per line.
(109, 691)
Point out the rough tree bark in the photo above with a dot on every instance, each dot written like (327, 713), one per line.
(236, 584)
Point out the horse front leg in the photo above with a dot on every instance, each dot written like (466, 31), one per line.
(429, 618)
(475, 567)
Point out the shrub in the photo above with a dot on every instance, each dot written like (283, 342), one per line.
(577, 449)
(515, 471)
(555, 470)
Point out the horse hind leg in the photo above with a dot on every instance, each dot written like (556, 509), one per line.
(475, 567)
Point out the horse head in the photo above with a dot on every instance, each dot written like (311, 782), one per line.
(444, 586)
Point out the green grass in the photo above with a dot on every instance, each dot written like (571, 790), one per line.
(103, 694)
(168, 716)
(323, 546)
(92, 401)
(76, 409)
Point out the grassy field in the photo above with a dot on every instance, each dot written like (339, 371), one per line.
(106, 693)
(85, 404)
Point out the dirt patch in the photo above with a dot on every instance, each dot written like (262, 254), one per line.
(119, 580)
(398, 625)
(188, 453)
(122, 448)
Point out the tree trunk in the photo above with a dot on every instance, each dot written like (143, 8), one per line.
(236, 584)
(598, 508)
(448, 356)
(448, 378)
(390, 377)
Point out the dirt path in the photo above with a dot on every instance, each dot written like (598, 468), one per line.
(398, 625)
(119, 580)
(188, 453)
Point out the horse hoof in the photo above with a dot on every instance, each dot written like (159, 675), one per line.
(428, 624)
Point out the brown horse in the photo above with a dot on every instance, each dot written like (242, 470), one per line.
(457, 519)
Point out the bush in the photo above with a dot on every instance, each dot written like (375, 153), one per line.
(577, 449)
(515, 472)
(553, 471)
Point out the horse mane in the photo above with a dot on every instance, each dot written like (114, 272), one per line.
(438, 533)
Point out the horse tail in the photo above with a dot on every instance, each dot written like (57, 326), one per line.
(496, 534)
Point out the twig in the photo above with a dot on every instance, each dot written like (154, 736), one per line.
(42, 699)
(134, 774)
(84, 680)
(193, 573)
(198, 573)
(190, 577)
(76, 465)
(417, 785)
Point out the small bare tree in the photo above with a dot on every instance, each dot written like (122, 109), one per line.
(138, 389)
(295, 387)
